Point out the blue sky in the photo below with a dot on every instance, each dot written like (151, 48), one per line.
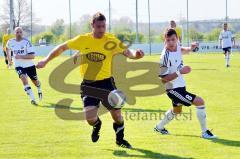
(161, 10)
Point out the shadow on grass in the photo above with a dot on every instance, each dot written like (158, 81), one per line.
(218, 140)
(205, 69)
(146, 154)
(57, 106)
(142, 110)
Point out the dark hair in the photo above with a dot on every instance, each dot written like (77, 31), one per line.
(98, 17)
(169, 32)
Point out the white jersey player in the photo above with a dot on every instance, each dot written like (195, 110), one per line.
(23, 55)
(227, 41)
(171, 73)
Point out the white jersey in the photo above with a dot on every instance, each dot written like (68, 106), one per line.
(22, 47)
(226, 37)
(171, 62)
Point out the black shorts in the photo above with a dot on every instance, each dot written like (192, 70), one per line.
(227, 49)
(94, 92)
(180, 96)
(30, 71)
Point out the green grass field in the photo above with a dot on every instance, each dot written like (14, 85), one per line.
(27, 131)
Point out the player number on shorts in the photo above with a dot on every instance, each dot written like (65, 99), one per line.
(19, 72)
(188, 97)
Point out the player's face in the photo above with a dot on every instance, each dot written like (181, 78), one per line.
(173, 25)
(171, 42)
(99, 28)
(225, 27)
(19, 33)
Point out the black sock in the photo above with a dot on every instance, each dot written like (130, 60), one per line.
(119, 130)
(97, 123)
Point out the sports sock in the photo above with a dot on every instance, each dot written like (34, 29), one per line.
(201, 115)
(169, 115)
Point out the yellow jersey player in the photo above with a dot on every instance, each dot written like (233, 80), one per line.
(5, 39)
(97, 49)
(177, 29)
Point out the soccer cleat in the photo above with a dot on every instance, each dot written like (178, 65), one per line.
(95, 131)
(40, 95)
(33, 102)
(208, 135)
(124, 144)
(227, 65)
(162, 131)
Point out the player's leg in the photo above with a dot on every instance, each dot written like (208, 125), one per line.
(201, 115)
(91, 115)
(22, 75)
(37, 83)
(5, 56)
(168, 116)
(228, 53)
(118, 127)
(32, 73)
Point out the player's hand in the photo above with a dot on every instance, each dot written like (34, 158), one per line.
(75, 59)
(139, 54)
(194, 45)
(185, 70)
(41, 64)
(10, 63)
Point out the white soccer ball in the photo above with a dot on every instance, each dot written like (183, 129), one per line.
(116, 99)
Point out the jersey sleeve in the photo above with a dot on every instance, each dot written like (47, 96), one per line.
(164, 65)
(120, 47)
(76, 43)
(30, 49)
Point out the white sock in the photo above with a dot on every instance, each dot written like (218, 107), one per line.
(227, 58)
(29, 92)
(39, 86)
(201, 115)
(169, 115)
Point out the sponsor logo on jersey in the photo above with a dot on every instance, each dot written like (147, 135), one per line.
(95, 57)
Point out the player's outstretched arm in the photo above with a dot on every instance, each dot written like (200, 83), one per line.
(54, 53)
(187, 50)
(173, 76)
(133, 54)
(28, 56)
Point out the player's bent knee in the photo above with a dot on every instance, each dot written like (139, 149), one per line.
(198, 101)
(117, 116)
(177, 110)
(92, 121)
(24, 79)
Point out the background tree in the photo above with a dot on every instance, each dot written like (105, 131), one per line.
(22, 15)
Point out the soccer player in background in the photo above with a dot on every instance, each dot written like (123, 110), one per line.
(23, 55)
(5, 39)
(97, 49)
(226, 42)
(171, 73)
(177, 29)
